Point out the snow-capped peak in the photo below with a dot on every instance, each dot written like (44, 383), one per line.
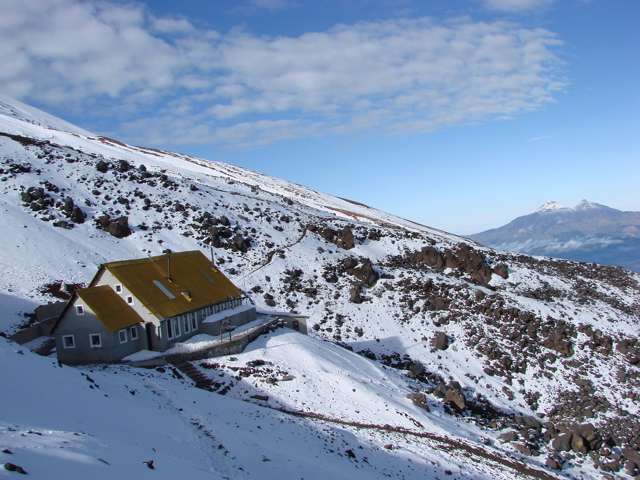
(586, 205)
(550, 206)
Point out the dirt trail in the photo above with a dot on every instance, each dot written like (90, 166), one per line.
(503, 459)
(276, 250)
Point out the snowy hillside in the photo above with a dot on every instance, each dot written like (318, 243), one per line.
(486, 340)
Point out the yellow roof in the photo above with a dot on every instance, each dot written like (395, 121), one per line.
(110, 307)
(194, 282)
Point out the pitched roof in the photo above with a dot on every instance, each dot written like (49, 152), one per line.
(194, 282)
(109, 307)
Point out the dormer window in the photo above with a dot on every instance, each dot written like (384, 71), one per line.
(80, 309)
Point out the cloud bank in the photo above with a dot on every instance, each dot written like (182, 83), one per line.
(179, 82)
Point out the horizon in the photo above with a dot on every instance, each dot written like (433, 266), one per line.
(460, 116)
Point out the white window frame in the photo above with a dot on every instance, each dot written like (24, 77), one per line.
(66, 343)
(118, 288)
(79, 309)
(176, 327)
(185, 323)
(95, 345)
(130, 300)
(133, 332)
(194, 322)
(122, 336)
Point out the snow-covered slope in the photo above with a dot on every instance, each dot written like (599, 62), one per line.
(14, 109)
(517, 335)
(105, 423)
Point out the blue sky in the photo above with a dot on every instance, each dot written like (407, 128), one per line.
(460, 115)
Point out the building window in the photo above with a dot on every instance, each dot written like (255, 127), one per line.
(68, 341)
(95, 340)
(80, 309)
(176, 327)
(194, 322)
(130, 299)
(170, 329)
(118, 288)
(133, 331)
(122, 336)
(185, 324)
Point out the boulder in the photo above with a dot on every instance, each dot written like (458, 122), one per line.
(14, 468)
(554, 462)
(242, 244)
(440, 341)
(530, 422)
(456, 399)
(523, 449)
(77, 215)
(365, 273)
(579, 444)
(501, 270)
(119, 228)
(68, 205)
(102, 166)
(354, 295)
(508, 437)
(562, 443)
(347, 239)
(430, 256)
(631, 455)
(419, 400)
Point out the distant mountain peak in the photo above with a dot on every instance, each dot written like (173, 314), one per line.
(550, 206)
(586, 205)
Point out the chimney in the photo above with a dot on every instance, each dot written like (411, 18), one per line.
(168, 252)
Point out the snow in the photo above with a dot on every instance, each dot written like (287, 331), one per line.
(187, 426)
(13, 108)
(550, 207)
(586, 205)
(197, 342)
(216, 317)
(103, 423)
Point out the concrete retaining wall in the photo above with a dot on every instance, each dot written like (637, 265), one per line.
(34, 331)
(232, 347)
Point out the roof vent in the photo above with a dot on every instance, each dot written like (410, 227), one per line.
(186, 294)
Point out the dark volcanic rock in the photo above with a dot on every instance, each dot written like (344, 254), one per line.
(440, 341)
(365, 273)
(562, 443)
(119, 228)
(354, 295)
(419, 400)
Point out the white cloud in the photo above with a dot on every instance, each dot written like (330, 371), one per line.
(389, 77)
(543, 137)
(272, 4)
(518, 6)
